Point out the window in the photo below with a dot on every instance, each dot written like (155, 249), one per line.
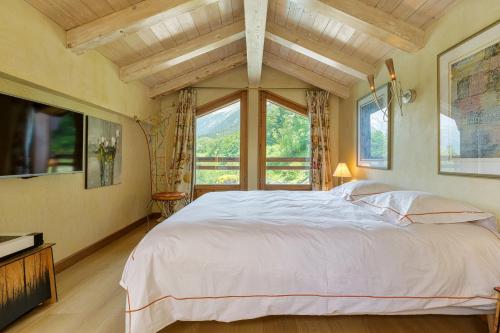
(285, 144)
(220, 145)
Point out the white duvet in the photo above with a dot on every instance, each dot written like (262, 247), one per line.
(238, 255)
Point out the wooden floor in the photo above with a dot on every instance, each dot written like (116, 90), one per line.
(90, 300)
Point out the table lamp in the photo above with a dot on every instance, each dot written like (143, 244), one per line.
(342, 171)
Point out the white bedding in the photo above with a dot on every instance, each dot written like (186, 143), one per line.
(238, 255)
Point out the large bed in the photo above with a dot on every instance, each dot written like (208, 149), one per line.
(238, 255)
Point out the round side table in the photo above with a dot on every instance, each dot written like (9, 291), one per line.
(167, 201)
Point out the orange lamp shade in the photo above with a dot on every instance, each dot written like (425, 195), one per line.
(371, 82)
(342, 171)
(390, 67)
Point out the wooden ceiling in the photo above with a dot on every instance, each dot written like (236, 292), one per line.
(172, 44)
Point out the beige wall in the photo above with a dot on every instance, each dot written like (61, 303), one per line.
(34, 64)
(415, 134)
(271, 80)
(32, 48)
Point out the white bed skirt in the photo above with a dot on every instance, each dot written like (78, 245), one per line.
(231, 256)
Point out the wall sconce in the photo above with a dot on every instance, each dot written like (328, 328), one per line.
(402, 96)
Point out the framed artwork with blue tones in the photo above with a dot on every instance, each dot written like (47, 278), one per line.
(374, 130)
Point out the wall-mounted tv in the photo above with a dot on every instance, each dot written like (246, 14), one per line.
(38, 139)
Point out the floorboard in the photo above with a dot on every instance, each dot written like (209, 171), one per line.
(90, 300)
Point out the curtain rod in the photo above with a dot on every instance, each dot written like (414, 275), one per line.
(260, 88)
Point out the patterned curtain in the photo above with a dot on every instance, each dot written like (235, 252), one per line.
(321, 170)
(180, 177)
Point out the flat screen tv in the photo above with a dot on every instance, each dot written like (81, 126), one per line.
(38, 139)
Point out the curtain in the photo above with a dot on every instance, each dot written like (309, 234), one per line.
(181, 170)
(321, 170)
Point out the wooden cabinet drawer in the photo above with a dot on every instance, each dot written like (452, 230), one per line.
(26, 281)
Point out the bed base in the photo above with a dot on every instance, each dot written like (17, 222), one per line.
(494, 319)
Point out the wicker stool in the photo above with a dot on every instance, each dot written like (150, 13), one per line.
(167, 201)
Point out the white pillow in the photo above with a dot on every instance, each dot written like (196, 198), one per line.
(406, 207)
(361, 188)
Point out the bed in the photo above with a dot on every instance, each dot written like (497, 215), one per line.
(238, 255)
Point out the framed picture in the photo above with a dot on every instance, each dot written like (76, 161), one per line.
(103, 153)
(469, 108)
(374, 130)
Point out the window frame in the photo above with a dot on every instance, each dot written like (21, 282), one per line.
(212, 106)
(264, 96)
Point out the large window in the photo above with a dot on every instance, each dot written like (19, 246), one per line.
(285, 144)
(221, 145)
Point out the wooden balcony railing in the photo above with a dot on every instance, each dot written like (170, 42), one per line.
(236, 160)
(211, 159)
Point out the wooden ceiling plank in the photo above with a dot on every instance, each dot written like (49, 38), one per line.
(331, 30)
(118, 4)
(138, 44)
(294, 15)
(407, 8)
(237, 6)
(53, 12)
(281, 12)
(199, 74)
(200, 19)
(188, 26)
(151, 40)
(226, 11)
(429, 12)
(214, 17)
(319, 26)
(344, 35)
(183, 52)
(99, 7)
(306, 22)
(127, 21)
(255, 30)
(318, 52)
(388, 5)
(161, 32)
(305, 75)
(175, 29)
(372, 21)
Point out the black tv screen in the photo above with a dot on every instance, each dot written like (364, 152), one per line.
(38, 139)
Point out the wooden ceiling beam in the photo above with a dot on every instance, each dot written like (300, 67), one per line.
(317, 51)
(126, 21)
(199, 74)
(305, 75)
(371, 21)
(183, 52)
(255, 29)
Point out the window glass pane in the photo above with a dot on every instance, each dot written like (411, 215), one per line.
(218, 147)
(288, 146)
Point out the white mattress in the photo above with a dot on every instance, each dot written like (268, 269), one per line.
(239, 255)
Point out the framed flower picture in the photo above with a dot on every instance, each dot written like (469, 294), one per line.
(374, 130)
(469, 108)
(103, 153)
